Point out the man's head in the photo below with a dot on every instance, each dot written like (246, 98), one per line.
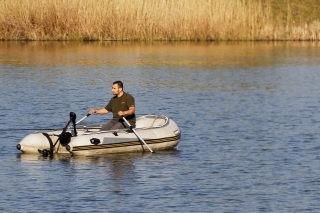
(117, 88)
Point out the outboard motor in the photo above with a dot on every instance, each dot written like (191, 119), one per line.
(65, 137)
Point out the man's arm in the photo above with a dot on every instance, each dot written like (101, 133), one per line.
(130, 111)
(99, 111)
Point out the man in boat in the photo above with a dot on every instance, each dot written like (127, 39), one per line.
(121, 105)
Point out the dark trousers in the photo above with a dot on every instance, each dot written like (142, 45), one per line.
(113, 124)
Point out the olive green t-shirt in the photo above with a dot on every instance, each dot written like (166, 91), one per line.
(122, 104)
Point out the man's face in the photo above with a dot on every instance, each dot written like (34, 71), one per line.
(115, 89)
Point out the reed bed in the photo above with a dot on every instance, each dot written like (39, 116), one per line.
(147, 20)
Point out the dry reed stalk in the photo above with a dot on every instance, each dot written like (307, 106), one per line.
(143, 20)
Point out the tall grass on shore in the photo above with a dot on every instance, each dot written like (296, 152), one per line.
(146, 20)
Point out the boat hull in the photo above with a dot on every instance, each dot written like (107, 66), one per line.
(159, 132)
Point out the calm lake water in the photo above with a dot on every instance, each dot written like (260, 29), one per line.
(248, 113)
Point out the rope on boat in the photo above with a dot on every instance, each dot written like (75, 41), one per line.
(153, 121)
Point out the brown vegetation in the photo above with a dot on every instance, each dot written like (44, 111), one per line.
(151, 20)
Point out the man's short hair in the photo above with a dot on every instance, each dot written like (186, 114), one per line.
(120, 84)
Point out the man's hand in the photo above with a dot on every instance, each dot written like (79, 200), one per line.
(122, 113)
(92, 111)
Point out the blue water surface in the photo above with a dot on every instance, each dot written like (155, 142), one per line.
(248, 113)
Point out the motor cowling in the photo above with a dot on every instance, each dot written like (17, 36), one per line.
(65, 138)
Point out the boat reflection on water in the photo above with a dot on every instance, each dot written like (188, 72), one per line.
(107, 172)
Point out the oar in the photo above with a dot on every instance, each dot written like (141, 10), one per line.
(83, 118)
(137, 134)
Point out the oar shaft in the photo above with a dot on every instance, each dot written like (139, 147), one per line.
(83, 118)
(138, 136)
